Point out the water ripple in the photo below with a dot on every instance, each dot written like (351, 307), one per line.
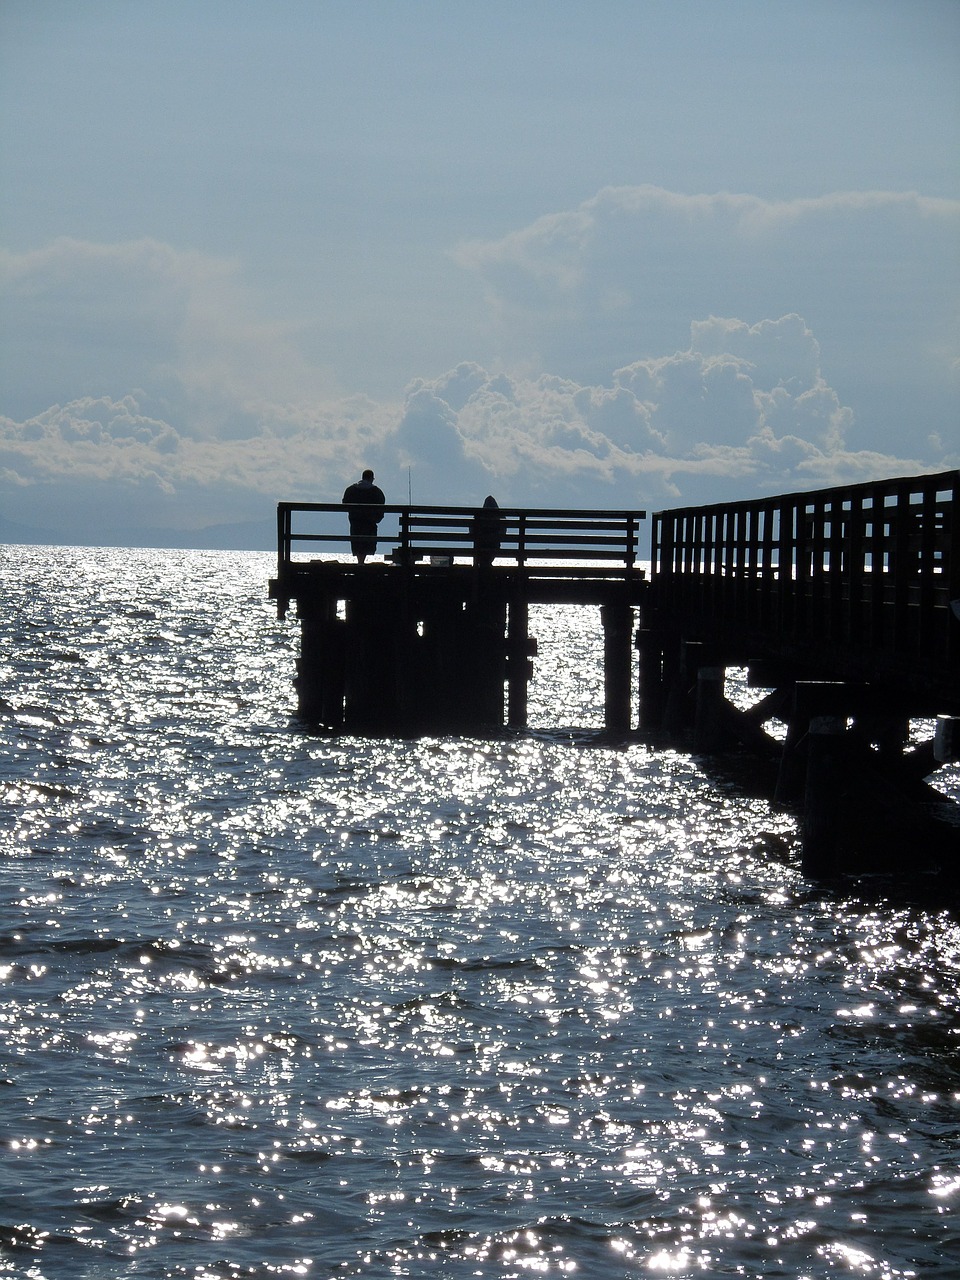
(282, 1005)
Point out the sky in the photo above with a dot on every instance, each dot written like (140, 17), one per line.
(600, 253)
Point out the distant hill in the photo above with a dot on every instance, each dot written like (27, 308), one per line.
(249, 535)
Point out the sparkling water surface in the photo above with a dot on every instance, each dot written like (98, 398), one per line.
(275, 1004)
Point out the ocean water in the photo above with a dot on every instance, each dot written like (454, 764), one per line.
(276, 1004)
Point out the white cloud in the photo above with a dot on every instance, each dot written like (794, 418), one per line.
(705, 423)
(737, 379)
(659, 349)
(102, 462)
(780, 351)
(743, 409)
(875, 274)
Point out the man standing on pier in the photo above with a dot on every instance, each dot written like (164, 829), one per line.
(366, 501)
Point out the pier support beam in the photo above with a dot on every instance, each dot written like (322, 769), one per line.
(520, 648)
(434, 700)
(680, 673)
(617, 664)
(480, 682)
(825, 776)
(791, 775)
(320, 667)
(708, 727)
(651, 679)
(371, 689)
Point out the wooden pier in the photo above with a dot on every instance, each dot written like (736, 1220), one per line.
(432, 638)
(842, 604)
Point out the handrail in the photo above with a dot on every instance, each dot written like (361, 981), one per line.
(552, 533)
(869, 571)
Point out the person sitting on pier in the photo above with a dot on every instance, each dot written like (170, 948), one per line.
(487, 530)
(366, 501)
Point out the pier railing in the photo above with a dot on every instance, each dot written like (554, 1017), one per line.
(864, 580)
(412, 535)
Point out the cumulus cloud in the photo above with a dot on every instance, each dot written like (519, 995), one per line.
(103, 463)
(875, 274)
(659, 348)
(743, 409)
(736, 380)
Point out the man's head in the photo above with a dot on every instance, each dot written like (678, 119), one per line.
(367, 475)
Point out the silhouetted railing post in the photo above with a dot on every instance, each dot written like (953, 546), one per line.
(630, 557)
(283, 537)
(404, 553)
(522, 541)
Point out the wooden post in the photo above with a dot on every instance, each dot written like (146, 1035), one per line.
(678, 712)
(320, 667)
(791, 776)
(372, 647)
(708, 733)
(650, 650)
(519, 665)
(308, 681)
(617, 660)
(481, 680)
(821, 815)
(441, 667)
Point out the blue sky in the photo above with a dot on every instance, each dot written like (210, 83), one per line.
(598, 253)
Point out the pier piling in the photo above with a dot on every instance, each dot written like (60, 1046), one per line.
(820, 824)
